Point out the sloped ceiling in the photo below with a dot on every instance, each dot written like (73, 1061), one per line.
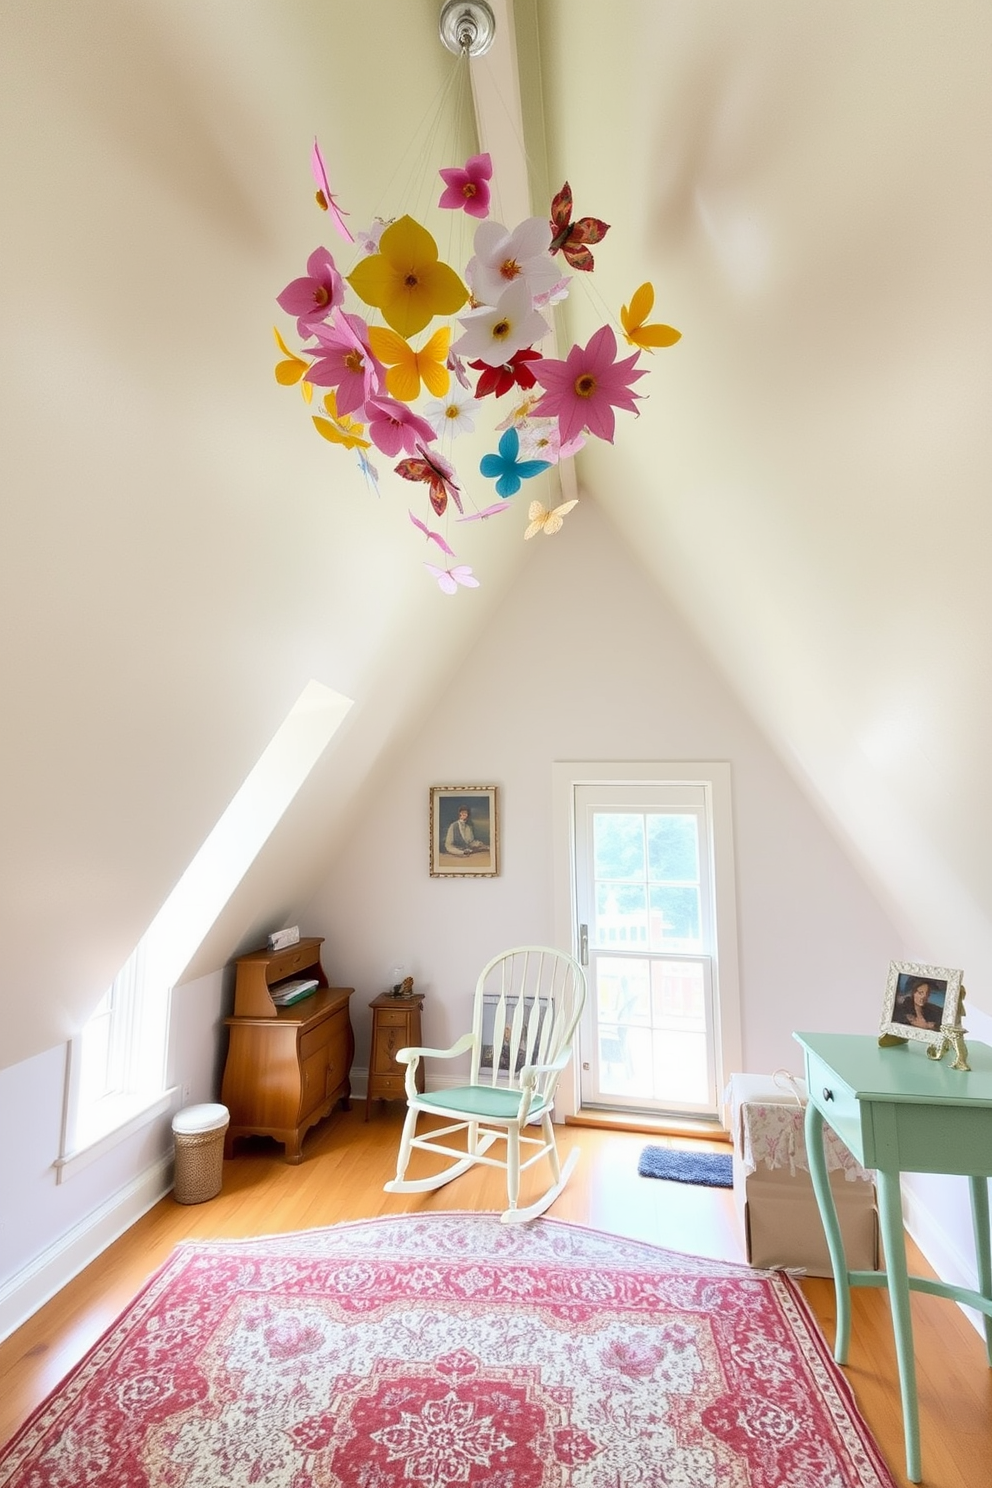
(808, 188)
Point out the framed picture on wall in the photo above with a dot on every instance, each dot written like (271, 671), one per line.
(464, 831)
(921, 1002)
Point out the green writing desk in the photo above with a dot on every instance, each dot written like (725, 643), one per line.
(900, 1112)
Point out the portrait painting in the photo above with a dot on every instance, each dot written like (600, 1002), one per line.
(464, 831)
(921, 1002)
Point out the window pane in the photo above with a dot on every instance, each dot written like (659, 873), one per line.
(675, 919)
(623, 1006)
(618, 845)
(678, 997)
(621, 915)
(673, 848)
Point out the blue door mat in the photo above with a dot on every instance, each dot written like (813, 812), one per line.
(714, 1169)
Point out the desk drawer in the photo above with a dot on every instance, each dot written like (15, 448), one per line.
(837, 1102)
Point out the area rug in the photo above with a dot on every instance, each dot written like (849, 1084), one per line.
(450, 1351)
(714, 1169)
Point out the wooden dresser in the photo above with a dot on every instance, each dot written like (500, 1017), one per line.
(395, 1025)
(286, 1066)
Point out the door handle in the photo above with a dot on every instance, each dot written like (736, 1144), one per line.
(584, 945)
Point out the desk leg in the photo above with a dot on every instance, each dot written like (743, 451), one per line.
(817, 1159)
(894, 1241)
(980, 1219)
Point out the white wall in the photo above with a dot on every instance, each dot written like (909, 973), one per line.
(586, 661)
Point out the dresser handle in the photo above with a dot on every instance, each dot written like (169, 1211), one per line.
(827, 1094)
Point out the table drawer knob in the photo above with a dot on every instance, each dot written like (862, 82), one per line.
(827, 1094)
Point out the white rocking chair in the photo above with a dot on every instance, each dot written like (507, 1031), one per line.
(527, 1007)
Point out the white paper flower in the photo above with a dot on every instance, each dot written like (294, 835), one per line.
(504, 258)
(494, 335)
(453, 414)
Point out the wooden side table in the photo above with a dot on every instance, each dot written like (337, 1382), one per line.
(395, 1025)
(900, 1112)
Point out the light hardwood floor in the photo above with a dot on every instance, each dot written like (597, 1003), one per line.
(346, 1162)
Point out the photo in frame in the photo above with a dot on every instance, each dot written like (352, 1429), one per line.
(922, 1003)
(464, 831)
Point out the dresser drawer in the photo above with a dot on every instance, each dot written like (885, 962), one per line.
(392, 1017)
(324, 1034)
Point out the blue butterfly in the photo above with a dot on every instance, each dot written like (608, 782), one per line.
(510, 470)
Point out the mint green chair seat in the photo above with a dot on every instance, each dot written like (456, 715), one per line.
(528, 1002)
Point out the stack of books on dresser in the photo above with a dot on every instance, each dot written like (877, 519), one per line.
(284, 994)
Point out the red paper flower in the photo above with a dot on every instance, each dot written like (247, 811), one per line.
(514, 373)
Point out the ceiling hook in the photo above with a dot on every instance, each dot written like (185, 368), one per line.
(467, 27)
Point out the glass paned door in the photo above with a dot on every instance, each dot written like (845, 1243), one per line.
(644, 893)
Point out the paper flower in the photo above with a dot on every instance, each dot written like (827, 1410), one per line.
(453, 415)
(312, 297)
(633, 316)
(519, 415)
(394, 426)
(507, 468)
(548, 522)
(495, 334)
(338, 428)
(583, 390)
(448, 579)
(513, 373)
(468, 186)
(293, 369)
(345, 361)
(369, 241)
(408, 368)
(406, 280)
(431, 536)
(540, 439)
(504, 258)
(431, 466)
(325, 200)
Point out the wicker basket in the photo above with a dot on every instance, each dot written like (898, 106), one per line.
(199, 1137)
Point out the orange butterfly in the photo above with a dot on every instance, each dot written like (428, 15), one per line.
(571, 237)
(439, 475)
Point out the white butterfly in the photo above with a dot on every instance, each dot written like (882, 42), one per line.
(541, 519)
(449, 578)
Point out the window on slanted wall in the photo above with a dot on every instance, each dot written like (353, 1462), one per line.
(116, 1077)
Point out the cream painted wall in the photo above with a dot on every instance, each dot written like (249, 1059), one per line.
(586, 661)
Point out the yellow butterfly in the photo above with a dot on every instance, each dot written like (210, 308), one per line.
(633, 316)
(548, 522)
(292, 369)
(408, 368)
(338, 428)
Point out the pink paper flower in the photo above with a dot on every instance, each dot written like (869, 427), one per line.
(468, 186)
(583, 390)
(393, 426)
(345, 361)
(311, 299)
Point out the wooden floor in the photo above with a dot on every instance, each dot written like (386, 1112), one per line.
(346, 1163)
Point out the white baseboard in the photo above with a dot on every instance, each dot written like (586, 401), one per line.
(31, 1287)
(950, 1264)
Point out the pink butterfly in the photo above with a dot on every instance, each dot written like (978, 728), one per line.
(437, 472)
(325, 200)
(487, 511)
(433, 536)
(449, 578)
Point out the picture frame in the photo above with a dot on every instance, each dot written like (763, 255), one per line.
(464, 831)
(922, 1003)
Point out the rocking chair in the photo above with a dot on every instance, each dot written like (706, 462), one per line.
(527, 1007)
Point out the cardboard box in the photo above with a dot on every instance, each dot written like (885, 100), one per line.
(773, 1191)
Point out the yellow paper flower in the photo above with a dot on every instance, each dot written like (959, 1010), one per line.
(338, 428)
(405, 279)
(633, 316)
(292, 369)
(408, 368)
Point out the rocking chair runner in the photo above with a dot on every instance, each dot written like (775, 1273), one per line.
(527, 1007)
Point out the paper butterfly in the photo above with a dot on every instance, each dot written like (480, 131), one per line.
(439, 475)
(487, 511)
(633, 316)
(548, 522)
(570, 237)
(325, 200)
(292, 369)
(508, 468)
(369, 471)
(338, 428)
(408, 368)
(449, 578)
(433, 536)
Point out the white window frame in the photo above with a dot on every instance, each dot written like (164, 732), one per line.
(715, 777)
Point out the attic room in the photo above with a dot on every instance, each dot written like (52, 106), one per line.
(774, 577)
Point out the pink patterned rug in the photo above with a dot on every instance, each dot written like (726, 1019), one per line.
(450, 1351)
